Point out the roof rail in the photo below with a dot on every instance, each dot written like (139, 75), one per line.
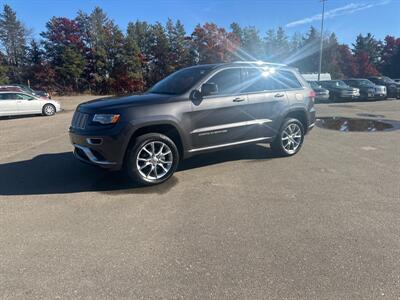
(258, 62)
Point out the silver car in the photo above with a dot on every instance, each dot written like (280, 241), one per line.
(19, 103)
(380, 92)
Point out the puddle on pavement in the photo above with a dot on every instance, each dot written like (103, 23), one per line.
(370, 115)
(357, 125)
(341, 105)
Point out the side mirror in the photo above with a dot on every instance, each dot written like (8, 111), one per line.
(196, 95)
(209, 89)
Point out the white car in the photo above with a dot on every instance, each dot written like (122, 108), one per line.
(19, 103)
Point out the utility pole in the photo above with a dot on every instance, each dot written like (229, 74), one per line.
(322, 39)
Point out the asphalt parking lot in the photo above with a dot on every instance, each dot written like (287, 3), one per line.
(324, 224)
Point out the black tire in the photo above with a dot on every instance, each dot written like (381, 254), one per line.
(333, 98)
(278, 145)
(49, 110)
(131, 162)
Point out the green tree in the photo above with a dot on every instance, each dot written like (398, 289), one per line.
(13, 36)
(180, 54)
(159, 57)
(3, 70)
(252, 43)
(369, 45)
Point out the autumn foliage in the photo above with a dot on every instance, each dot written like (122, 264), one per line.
(90, 53)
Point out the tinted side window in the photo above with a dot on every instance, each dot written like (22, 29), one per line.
(24, 97)
(287, 80)
(228, 81)
(7, 96)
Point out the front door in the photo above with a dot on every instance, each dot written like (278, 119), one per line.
(221, 118)
(28, 104)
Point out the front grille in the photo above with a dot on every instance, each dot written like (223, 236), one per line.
(79, 120)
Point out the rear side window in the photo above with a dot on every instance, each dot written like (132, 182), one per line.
(256, 80)
(24, 97)
(228, 81)
(288, 80)
(8, 96)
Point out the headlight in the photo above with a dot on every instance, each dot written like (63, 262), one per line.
(106, 118)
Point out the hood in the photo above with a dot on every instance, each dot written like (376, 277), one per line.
(320, 90)
(121, 102)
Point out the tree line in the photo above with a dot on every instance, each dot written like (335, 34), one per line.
(90, 53)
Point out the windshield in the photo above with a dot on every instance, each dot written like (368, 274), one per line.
(388, 80)
(181, 81)
(335, 83)
(365, 82)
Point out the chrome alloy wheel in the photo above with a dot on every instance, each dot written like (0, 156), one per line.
(49, 110)
(154, 160)
(291, 138)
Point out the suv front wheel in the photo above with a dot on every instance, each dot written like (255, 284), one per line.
(289, 139)
(152, 159)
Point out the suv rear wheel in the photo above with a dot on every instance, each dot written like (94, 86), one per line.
(290, 138)
(152, 159)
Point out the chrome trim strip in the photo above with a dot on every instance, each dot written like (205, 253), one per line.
(231, 125)
(93, 158)
(311, 125)
(230, 144)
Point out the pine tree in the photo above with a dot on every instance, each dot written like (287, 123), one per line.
(252, 44)
(13, 35)
(3, 70)
(179, 52)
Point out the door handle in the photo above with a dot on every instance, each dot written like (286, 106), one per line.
(238, 99)
(279, 95)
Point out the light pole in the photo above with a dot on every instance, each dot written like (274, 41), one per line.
(322, 39)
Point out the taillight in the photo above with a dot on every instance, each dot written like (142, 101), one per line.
(311, 95)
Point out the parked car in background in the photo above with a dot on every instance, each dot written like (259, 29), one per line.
(33, 92)
(380, 92)
(21, 103)
(339, 90)
(24, 89)
(392, 88)
(321, 94)
(366, 87)
(314, 76)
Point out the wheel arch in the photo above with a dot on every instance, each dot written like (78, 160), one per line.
(299, 114)
(169, 129)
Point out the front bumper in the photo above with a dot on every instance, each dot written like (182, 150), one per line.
(106, 151)
(321, 97)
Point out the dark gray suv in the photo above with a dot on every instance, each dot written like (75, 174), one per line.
(195, 110)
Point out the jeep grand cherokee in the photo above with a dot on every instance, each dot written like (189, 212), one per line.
(195, 110)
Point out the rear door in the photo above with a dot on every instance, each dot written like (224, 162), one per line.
(266, 92)
(28, 104)
(221, 118)
(8, 104)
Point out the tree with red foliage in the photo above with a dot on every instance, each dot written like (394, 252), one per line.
(364, 66)
(214, 44)
(346, 61)
(64, 50)
(390, 63)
